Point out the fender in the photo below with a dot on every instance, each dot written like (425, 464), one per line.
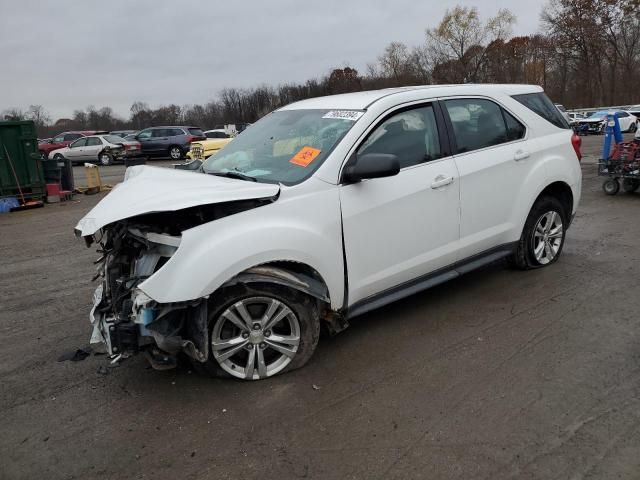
(296, 228)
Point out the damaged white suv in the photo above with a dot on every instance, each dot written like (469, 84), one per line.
(322, 211)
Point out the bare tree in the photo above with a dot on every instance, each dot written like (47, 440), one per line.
(39, 115)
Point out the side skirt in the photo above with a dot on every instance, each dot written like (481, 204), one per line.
(430, 280)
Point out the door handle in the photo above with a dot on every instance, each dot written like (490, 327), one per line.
(520, 155)
(441, 181)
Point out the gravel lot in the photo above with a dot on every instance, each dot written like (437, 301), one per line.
(499, 374)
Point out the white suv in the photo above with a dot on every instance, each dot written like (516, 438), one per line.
(324, 210)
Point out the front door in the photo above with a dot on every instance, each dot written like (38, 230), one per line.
(401, 228)
(75, 150)
(146, 143)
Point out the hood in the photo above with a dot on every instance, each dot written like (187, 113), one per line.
(58, 149)
(155, 189)
(212, 142)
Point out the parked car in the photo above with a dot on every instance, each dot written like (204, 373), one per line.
(596, 123)
(62, 140)
(123, 133)
(216, 133)
(574, 118)
(168, 141)
(635, 111)
(105, 149)
(43, 140)
(203, 149)
(324, 210)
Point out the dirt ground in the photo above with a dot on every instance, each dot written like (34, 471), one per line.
(496, 375)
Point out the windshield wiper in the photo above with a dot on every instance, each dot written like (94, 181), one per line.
(234, 174)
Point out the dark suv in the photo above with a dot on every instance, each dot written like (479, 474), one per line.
(168, 141)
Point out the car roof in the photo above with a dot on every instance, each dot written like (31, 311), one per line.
(175, 126)
(362, 100)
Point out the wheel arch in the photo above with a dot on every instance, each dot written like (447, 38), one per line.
(296, 275)
(561, 191)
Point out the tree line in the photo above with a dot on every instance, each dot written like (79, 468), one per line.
(586, 54)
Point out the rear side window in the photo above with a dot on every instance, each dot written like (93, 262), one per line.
(479, 123)
(515, 130)
(540, 104)
(93, 142)
(196, 132)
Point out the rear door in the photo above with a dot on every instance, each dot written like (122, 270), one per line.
(493, 157)
(93, 148)
(160, 140)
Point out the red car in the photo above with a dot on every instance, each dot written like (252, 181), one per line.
(63, 139)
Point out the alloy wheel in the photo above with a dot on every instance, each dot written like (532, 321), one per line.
(255, 338)
(175, 153)
(547, 237)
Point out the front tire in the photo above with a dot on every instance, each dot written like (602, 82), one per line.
(543, 235)
(611, 186)
(260, 330)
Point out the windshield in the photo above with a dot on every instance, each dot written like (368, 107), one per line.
(114, 138)
(285, 146)
(599, 115)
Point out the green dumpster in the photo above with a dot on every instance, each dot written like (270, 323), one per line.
(20, 166)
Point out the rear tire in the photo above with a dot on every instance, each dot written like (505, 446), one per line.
(105, 159)
(302, 323)
(543, 235)
(175, 152)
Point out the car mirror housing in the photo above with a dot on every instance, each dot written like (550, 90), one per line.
(371, 165)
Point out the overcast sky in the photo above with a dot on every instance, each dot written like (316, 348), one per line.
(68, 54)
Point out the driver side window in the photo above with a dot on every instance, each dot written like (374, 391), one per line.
(411, 135)
(79, 143)
(145, 134)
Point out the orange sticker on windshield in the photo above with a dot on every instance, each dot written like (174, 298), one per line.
(305, 156)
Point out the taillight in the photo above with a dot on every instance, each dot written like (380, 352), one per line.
(576, 141)
(191, 138)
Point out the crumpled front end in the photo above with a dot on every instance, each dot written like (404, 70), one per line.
(124, 318)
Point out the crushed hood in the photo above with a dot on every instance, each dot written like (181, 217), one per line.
(155, 189)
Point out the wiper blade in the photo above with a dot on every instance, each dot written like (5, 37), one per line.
(234, 174)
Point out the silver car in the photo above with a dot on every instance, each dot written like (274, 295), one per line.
(105, 149)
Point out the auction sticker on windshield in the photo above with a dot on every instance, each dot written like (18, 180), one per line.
(305, 156)
(352, 115)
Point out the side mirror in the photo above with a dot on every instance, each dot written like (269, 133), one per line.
(370, 165)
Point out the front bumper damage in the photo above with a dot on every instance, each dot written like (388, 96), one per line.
(127, 321)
